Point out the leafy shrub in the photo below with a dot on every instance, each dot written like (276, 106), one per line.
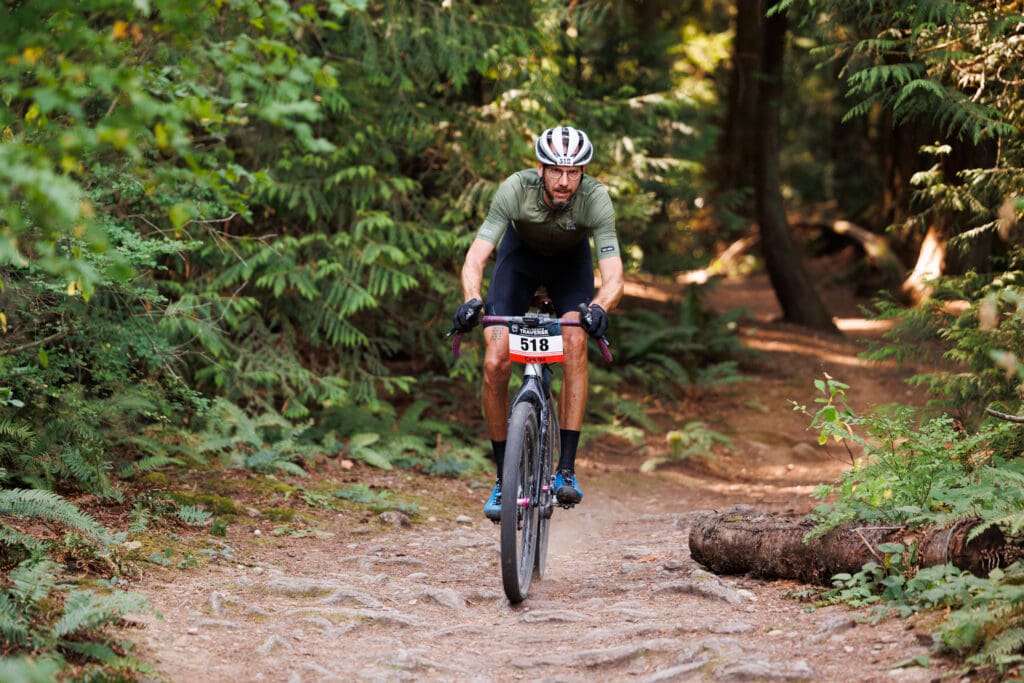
(662, 356)
(691, 349)
(973, 347)
(695, 439)
(912, 470)
(985, 619)
(44, 505)
(383, 437)
(377, 501)
(267, 443)
(62, 628)
(928, 472)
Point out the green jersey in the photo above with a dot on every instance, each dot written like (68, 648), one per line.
(519, 202)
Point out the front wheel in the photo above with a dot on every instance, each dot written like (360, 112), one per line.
(519, 516)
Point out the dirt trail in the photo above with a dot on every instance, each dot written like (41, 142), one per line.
(364, 598)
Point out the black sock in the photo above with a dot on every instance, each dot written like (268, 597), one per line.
(498, 455)
(567, 455)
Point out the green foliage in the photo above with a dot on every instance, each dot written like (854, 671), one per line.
(409, 440)
(209, 203)
(903, 53)
(270, 443)
(989, 623)
(376, 501)
(62, 628)
(922, 473)
(928, 472)
(884, 583)
(29, 669)
(914, 471)
(267, 443)
(948, 72)
(661, 357)
(690, 349)
(985, 619)
(193, 515)
(973, 348)
(695, 439)
(42, 505)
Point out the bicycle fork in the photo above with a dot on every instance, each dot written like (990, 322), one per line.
(536, 390)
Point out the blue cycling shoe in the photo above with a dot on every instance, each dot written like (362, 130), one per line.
(567, 489)
(492, 509)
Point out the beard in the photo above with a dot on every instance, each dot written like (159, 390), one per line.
(557, 204)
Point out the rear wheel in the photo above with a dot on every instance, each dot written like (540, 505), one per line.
(519, 486)
(547, 494)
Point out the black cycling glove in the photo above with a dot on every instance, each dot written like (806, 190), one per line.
(467, 315)
(595, 321)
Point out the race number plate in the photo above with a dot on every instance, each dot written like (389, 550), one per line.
(535, 345)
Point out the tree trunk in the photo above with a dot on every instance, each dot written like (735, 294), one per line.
(930, 260)
(797, 295)
(900, 157)
(733, 170)
(772, 546)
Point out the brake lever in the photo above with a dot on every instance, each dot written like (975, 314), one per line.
(456, 342)
(603, 342)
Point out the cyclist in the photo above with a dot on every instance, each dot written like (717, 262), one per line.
(552, 211)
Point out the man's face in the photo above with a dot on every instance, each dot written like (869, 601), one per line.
(560, 184)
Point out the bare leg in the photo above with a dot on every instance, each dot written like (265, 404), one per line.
(497, 372)
(576, 381)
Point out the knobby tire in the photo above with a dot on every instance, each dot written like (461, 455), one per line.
(549, 456)
(519, 480)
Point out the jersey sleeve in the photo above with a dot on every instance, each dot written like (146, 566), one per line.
(503, 211)
(606, 240)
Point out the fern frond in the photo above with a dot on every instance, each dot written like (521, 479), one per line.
(882, 77)
(86, 611)
(32, 582)
(1011, 525)
(87, 468)
(1003, 475)
(193, 515)
(14, 434)
(14, 624)
(926, 16)
(916, 87)
(270, 461)
(412, 422)
(34, 669)
(144, 465)
(1010, 641)
(13, 539)
(861, 108)
(91, 650)
(49, 506)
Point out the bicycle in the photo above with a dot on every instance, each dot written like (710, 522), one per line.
(527, 478)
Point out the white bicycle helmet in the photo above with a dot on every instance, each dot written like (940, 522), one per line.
(564, 146)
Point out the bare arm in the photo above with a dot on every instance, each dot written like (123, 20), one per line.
(473, 269)
(610, 291)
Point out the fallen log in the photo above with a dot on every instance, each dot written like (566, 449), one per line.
(771, 546)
